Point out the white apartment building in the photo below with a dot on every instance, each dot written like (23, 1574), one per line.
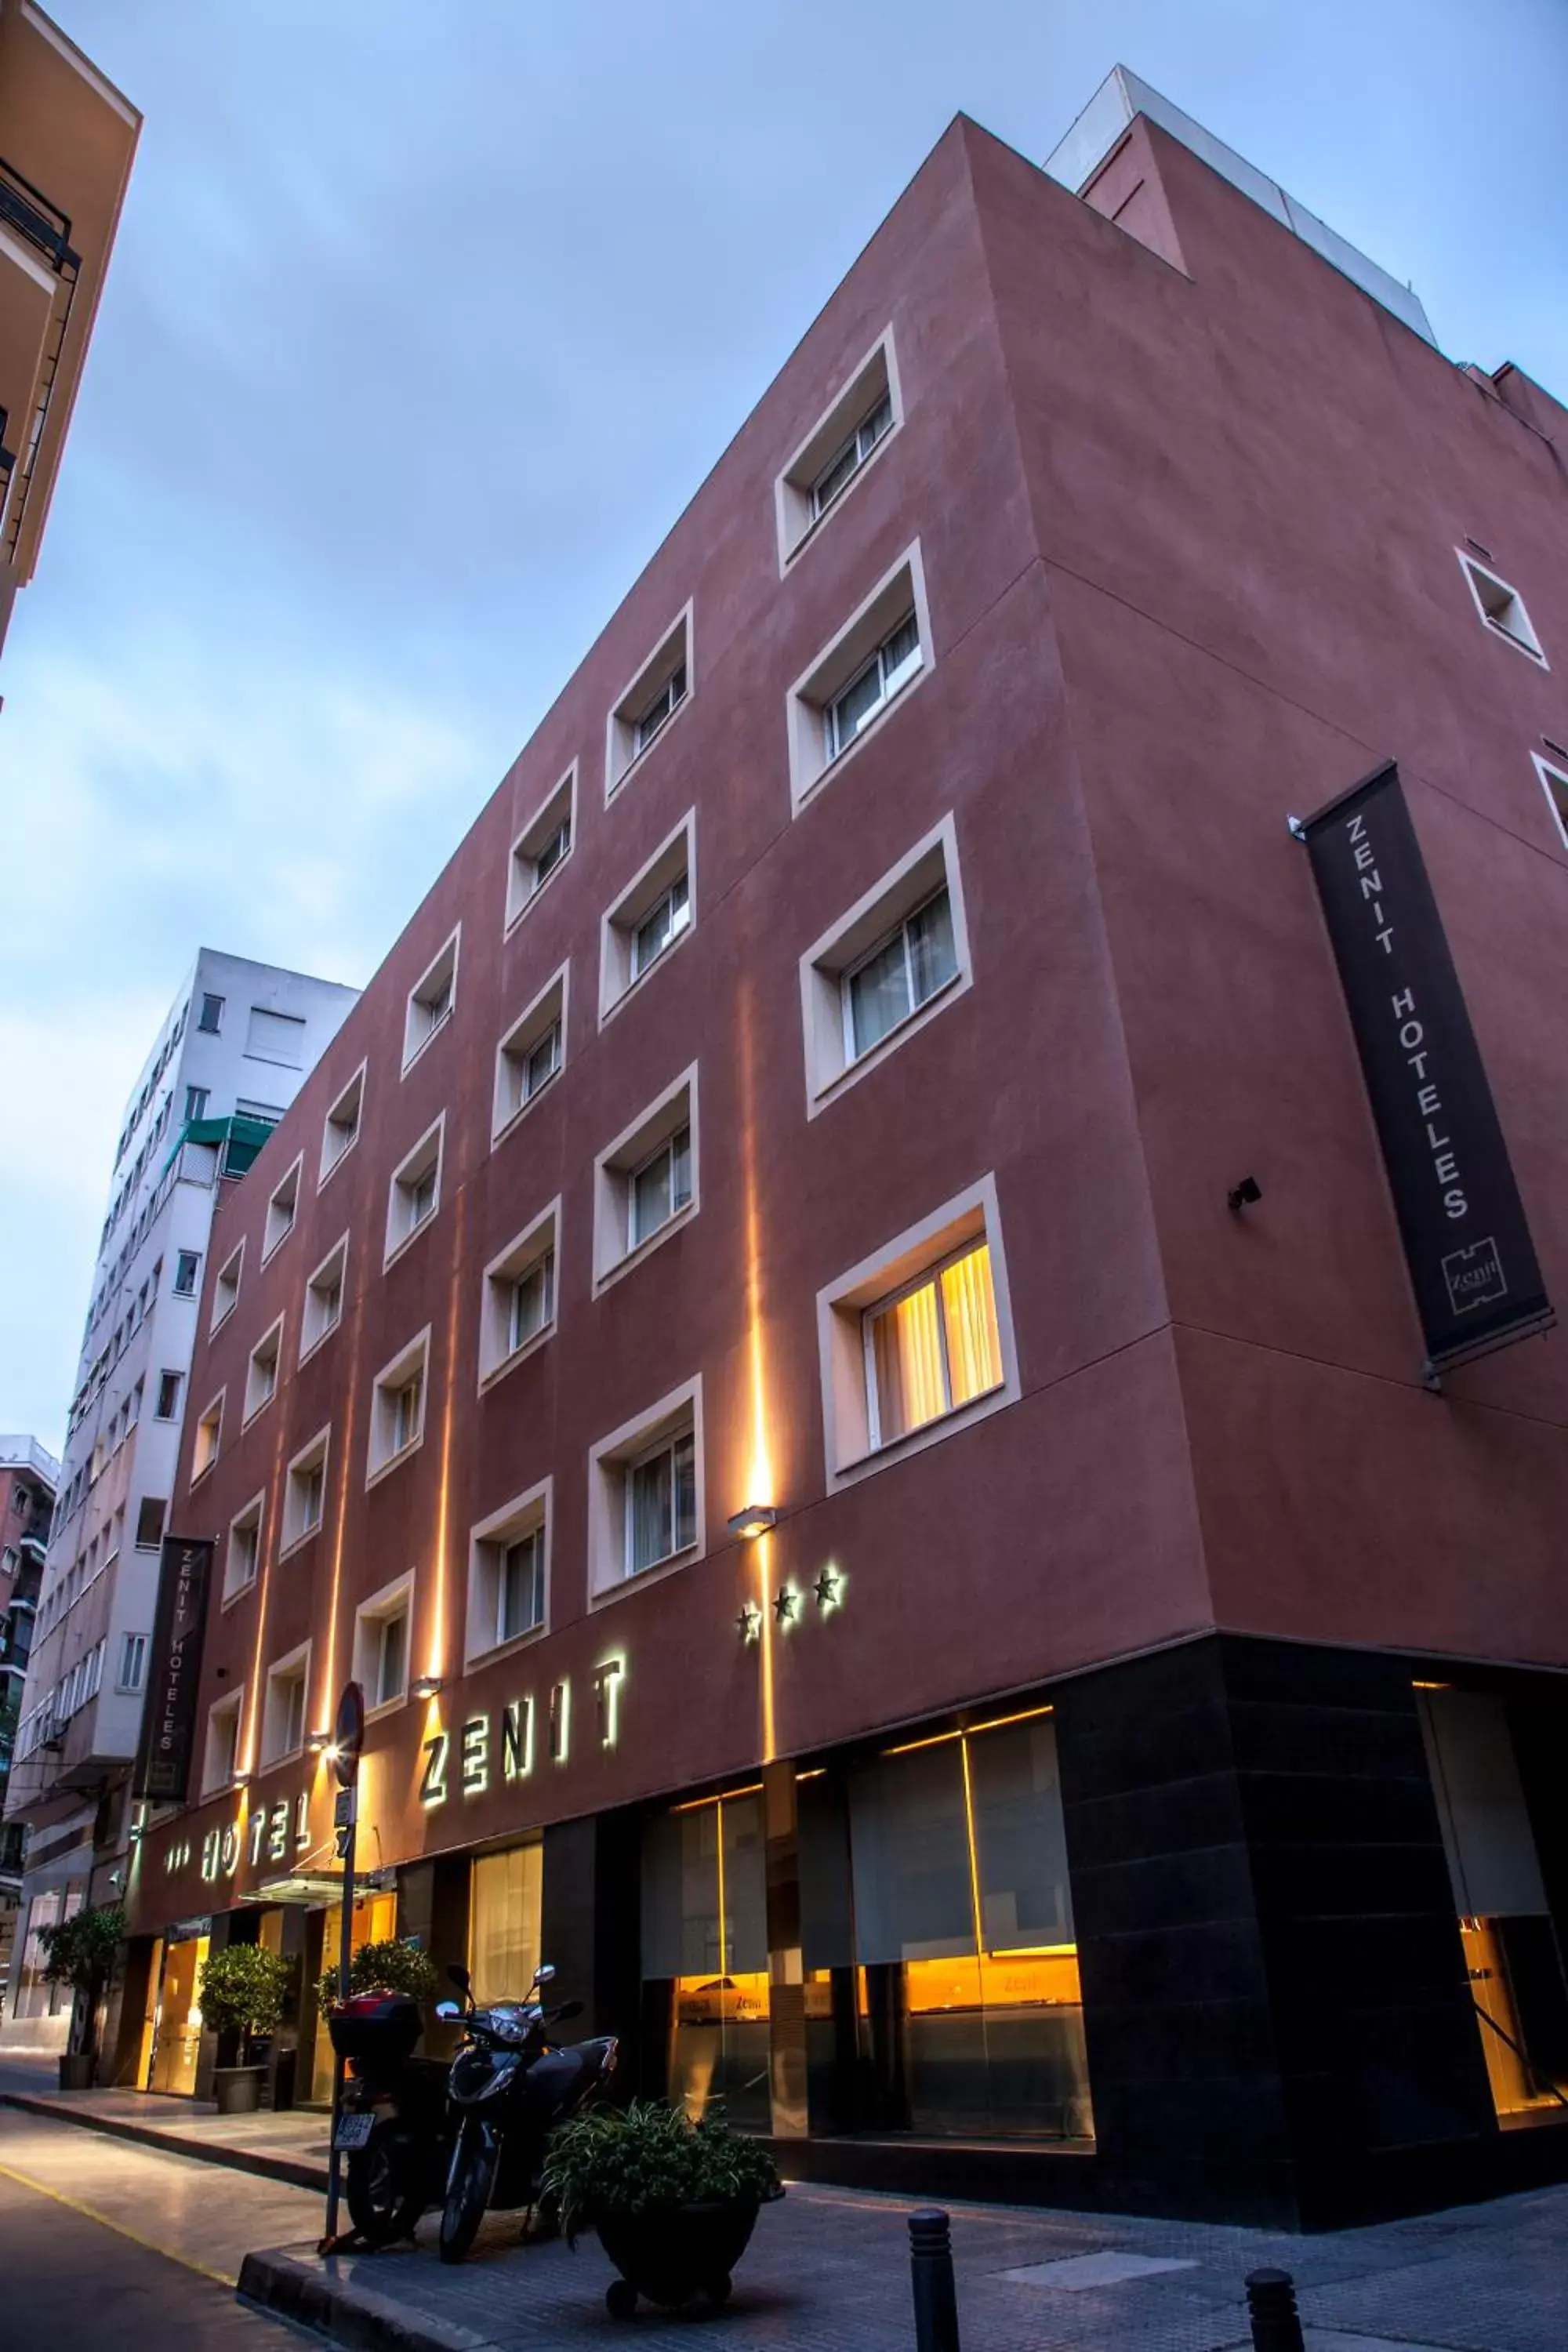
(237, 1043)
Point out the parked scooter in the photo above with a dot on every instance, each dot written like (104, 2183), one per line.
(510, 2085)
(391, 2123)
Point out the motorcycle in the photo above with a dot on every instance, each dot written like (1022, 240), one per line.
(510, 2085)
(392, 2121)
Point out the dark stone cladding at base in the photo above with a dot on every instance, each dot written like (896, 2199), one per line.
(1278, 2025)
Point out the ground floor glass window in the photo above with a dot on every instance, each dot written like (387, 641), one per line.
(705, 1956)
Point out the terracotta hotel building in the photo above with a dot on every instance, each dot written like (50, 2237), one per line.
(834, 1341)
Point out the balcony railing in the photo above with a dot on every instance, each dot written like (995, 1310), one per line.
(29, 212)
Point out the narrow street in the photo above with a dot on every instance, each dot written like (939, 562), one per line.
(101, 2236)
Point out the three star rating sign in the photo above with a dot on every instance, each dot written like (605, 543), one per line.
(788, 1604)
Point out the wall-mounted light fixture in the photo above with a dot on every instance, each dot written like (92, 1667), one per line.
(424, 1686)
(319, 1742)
(754, 1521)
(1244, 1195)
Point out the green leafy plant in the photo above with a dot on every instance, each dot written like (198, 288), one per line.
(243, 1989)
(80, 1951)
(646, 2157)
(388, 1967)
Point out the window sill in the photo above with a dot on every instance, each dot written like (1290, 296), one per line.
(660, 1568)
(608, 1011)
(835, 504)
(426, 1042)
(873, 727)
(320, 1341)
(386, 1706)
(270, 1252)
(514, 1118)
(644, 1250)
(297, 1543)
(232, 1600)
(393, 1460)
(1518, 643)
(531, 1346)
(331, 1170)
(196, 1476)
(929, 1432)
(888, 1043)
(518, 913)
(613, 790)
(410, 1237)
(475, 1659)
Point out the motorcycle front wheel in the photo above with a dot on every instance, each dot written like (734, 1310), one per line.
(468, 2186)
(384, 2196)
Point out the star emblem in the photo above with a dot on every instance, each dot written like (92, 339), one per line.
(749, 1623)
(785, 1603)
(826, 1588)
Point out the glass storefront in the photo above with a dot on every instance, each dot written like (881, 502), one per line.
(503, 1921)
(177, 2022)
(705, 1954)
(375, 1922)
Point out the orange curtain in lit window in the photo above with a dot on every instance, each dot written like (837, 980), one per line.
(907, 1343)
(969, 1311)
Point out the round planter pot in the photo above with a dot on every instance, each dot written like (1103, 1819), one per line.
(237, 2089)
(674, 2254)
(76, 2074)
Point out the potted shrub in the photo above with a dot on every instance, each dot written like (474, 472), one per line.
(80, 1951)
(389, 1967)
(674, 2201)
(242, 1991)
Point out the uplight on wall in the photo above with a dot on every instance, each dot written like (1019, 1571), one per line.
(424, 1686)
(318, 1743)
(754, 1521)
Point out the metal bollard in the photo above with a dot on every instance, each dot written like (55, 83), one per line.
(931, 2276)
(1271, 2308)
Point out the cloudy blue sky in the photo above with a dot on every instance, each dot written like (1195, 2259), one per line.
(426, 320)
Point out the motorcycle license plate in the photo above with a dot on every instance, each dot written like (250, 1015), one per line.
(353, 2131)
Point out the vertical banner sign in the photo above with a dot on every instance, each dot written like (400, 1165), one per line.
(168, 1725)
(1472, 1263)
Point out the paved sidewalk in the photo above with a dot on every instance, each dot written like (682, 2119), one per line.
(290, 2147)
(828, 2271)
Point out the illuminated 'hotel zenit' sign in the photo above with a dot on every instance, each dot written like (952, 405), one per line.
(466, 1755)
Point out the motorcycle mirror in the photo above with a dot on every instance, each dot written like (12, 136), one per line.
(543, 1973)
(447, 2010)
(460, 1976)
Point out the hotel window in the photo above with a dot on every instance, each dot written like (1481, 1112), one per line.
(859, 423)
(149, 1516)
(187, 1266)
(210, 1018)
(226, 1287)
(505, 1903)
(642, 712)
(647, 1183)
(222, 1760)
(415, 1191)
(916, 1342)
(261, 1374)
(652, 914)
(1501, 607)
(541, 848)
(282, 1208)
(132, 1662)
(243, 1556)
(531, 1054)
(398, 1405)
(340, 1129)
(645, 1494)
(508, 1566)
(430, 1002)
(381, 1644)
(283, 1707)
(324, 1308)
(911, 965)
(876, 658)
(518, 1303)
(305, 1493)
(208, 1436)
(169, 1386)
(1554, 784)
(897, 958)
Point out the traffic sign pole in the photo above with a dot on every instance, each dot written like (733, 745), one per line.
(348, 1741)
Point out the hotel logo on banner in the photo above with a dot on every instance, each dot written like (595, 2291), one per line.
(168, 1727)
(1472, 1263)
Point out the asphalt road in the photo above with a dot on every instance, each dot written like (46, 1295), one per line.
(101, 2241)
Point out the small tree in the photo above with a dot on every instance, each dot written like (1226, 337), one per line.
(80, 1951)
(389, 1967)
(242, 1991)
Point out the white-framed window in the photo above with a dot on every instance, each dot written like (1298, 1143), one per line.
(132, 1671)
(151, 1513)
(916, 1342)
(283, 1705)
(398, 1405)
(856, 426)
(221, 1762)
(651, 916)
(187, 1270)
(1554, 775)
(542, 846)
(879, 653)
(340, 1129)
(383, 1626)
(431, 1000)
(242, 1554)
(324, 1291)
(642, 711)
(887, 966)
(531, 1053)
(207, 1439)
(226, 1287)
(261, 1373)
(167, 1404)
(645, 1182)
(509, 1574)
(282, 1207)
(414, 1193)
(209, 1020)
(646, 1512)
(517, 1309)
(1501, 607)
(305, 1493)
